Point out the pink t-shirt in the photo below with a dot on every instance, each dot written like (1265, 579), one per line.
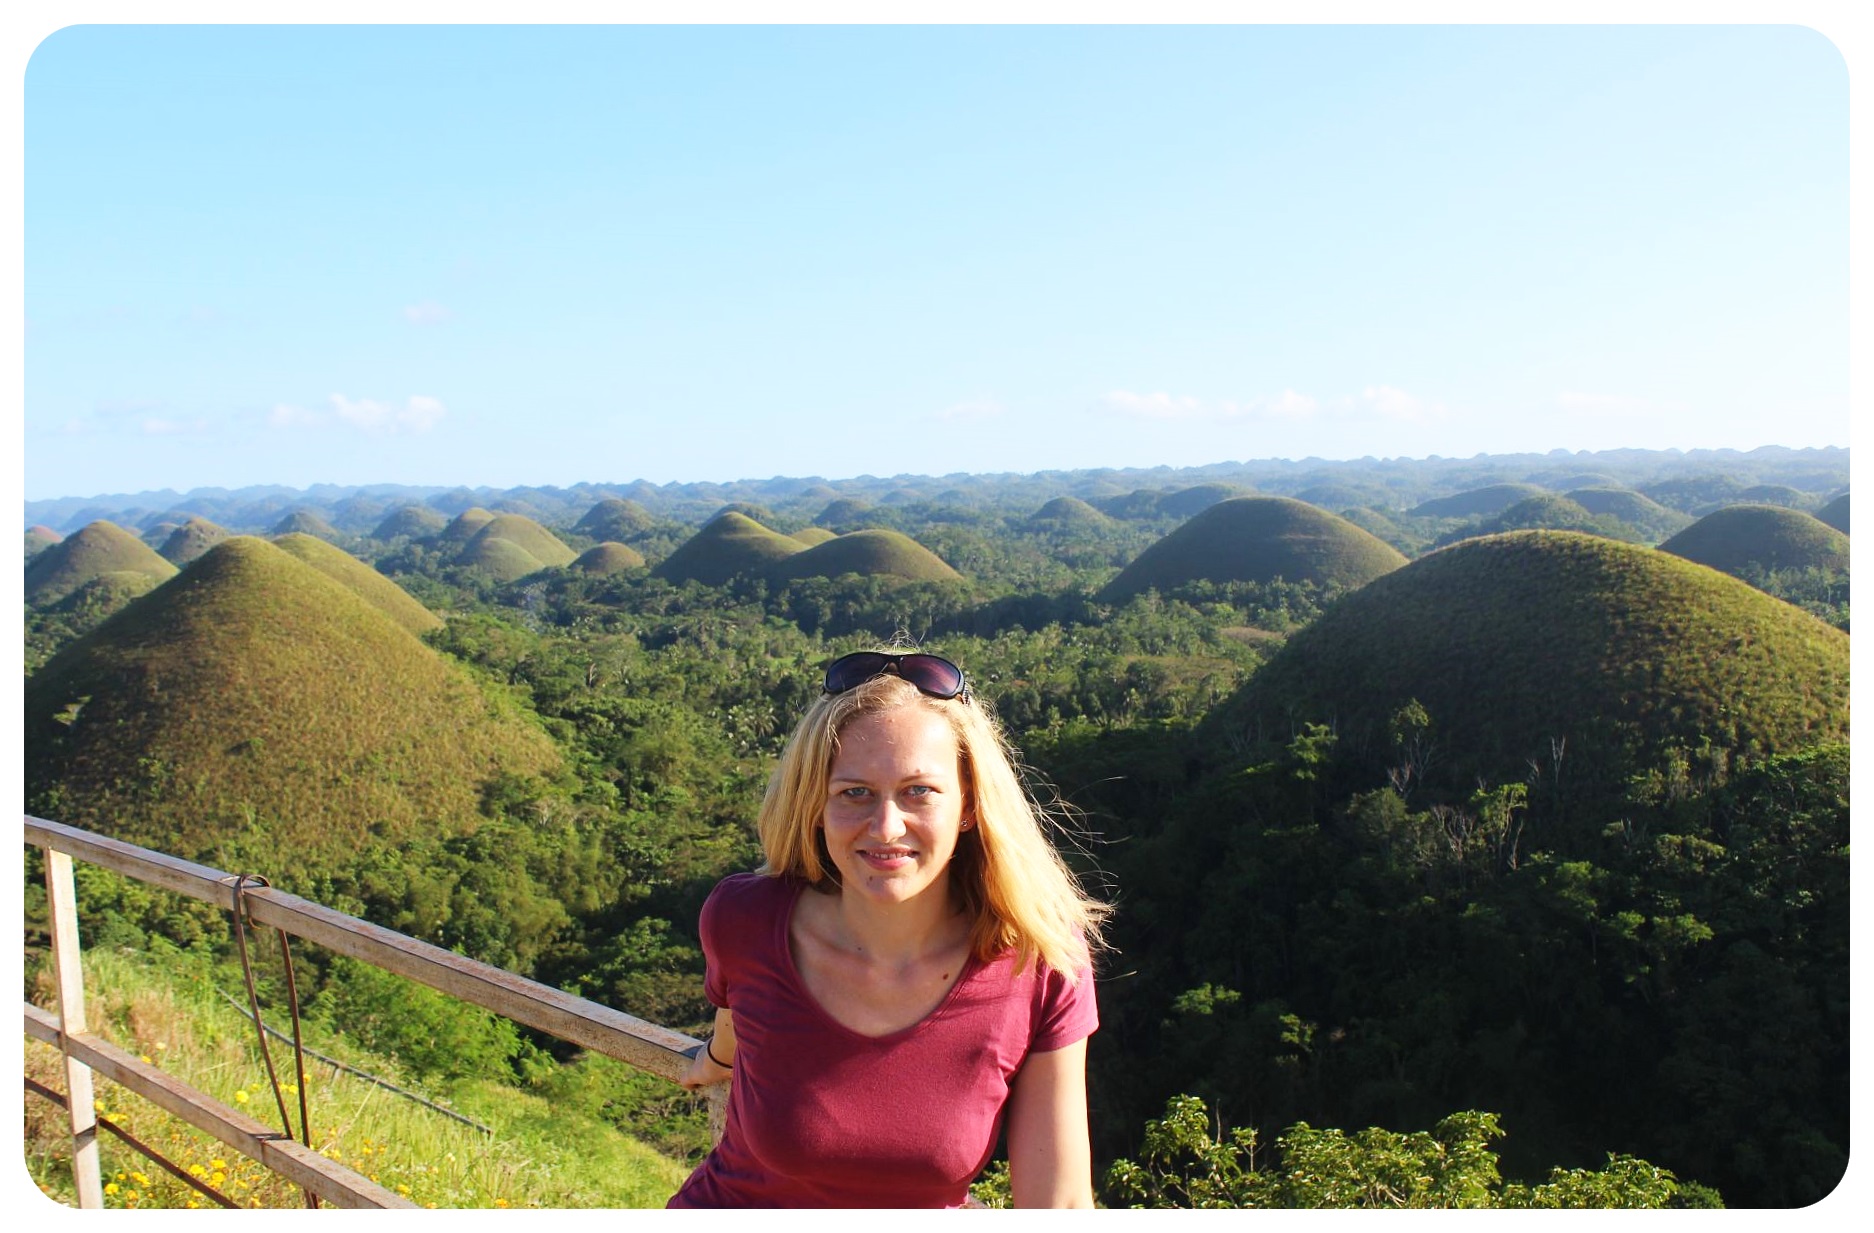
(821, 1116)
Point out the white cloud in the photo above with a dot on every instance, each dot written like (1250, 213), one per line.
(970, 409)
(419, 413)
(1158, 406)
(429, 312)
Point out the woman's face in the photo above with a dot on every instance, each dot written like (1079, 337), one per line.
(894, 805)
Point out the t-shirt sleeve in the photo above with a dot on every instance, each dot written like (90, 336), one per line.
(1068, 1012)
(710, 929)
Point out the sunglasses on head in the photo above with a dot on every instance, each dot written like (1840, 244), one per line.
(932, 674)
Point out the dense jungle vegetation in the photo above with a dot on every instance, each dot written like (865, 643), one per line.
(1314, 930)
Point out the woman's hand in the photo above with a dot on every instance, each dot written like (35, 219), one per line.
(1050, 1158)
(704, 1070)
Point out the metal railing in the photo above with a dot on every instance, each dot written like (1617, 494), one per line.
(646, 1046)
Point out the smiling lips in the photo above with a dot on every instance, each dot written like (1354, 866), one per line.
(887, 858)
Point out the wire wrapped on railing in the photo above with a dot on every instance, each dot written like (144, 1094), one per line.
(292, 1001)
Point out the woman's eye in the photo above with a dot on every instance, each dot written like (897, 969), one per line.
(855, 794)
(919, 789)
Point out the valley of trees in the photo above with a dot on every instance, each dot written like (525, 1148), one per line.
(1438, 798)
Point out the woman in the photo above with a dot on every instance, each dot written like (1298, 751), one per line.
(908, 971)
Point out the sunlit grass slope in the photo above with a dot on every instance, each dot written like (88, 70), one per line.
(540, 1153)
(511, 546)
(608, 558)
(729, 544)
(39, 538)
(614, 519)
(96, 551)
(871, 553)
(463, 528)
(191, 540)
(361, 580)
(1492, 499)
(812, 535)
(1634, 508)
(1515, 642)
(1743, 537)
(1835, 513)
(844, 512)
(1258, 539)
(412, 521)
(1187, 502)
(253, 699)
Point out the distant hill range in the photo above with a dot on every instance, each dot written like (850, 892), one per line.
(1578, 656)
(733, 544)
(1691, 482)
(1258, 539)
(268, 706)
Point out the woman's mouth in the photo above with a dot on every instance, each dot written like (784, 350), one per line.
(888, 858)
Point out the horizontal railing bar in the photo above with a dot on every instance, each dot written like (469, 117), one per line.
(295, 1161)
(647, 1046)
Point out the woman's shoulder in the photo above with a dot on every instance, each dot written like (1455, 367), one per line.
(743, 895)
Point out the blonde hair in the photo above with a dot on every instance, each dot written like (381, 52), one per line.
(1019, 893)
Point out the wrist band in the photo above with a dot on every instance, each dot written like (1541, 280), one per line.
(712, 1055)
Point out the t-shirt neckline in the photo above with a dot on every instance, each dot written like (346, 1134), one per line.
(807, 995)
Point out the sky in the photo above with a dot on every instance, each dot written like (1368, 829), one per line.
(546, 255)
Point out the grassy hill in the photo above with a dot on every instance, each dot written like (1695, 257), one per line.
(304, 522)
(614, 519)
(528, 547)
(608, 558)
(1835, 513)
(361, 580)
(255, 709)
(842, 514)
(1188, 502)
(1636, 509)
(1257, 539)
(1514, 642)
(812, 535)
(1739, 538)
(98, 551)
(729, 544)
(191, 540)
(1479, 502)
(409, 521)
(1066, 512)
(870, 553)
(39, 538)
(463, 528)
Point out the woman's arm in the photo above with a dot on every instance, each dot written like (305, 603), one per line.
(1050, 1159)
(703, 1071)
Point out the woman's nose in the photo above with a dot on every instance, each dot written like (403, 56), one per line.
(888, 821)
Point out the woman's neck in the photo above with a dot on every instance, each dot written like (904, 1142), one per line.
(898, 933)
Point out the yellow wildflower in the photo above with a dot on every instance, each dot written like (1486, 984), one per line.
(140, 1179)
(144, 1058)
(193, 1203)
(110, 1187)
(196, 1170)
(240, 1097)
(215, 1179)
(217, 1163)
(402, 1189)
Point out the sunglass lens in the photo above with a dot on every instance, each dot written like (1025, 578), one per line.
(850, 671)
(938, 677)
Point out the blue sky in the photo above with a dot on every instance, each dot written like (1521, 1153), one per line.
(544, 255)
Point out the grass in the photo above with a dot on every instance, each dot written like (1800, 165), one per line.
(254, 702)
(463, 527)
(729, 544)
(842, 512)
(1636, 509)
(96, 549)
(304, 522)
(361, 580)
(614, 519)
(1835, 513)
(870, 553)
(1512, 642)
(608, 558)
(540, 1154)
(409, 521)
(191, 540)
(1765, 537)
(1071, 511)
(1258, 539)
(811, 536)
(524, 533)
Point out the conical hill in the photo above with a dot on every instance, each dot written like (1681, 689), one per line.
(811, 536)
(1258, 539)
(614, 519)
(256, 710)
(870, 553)
(1741, 538)
(97, 552)
(608, 558)
(1189, 501)
(729, 544)
(1636, 509)
(191, 540)
(1491, 499)
(304, 522)
(1065, 512)
(541, 547)
(463, 527)
(361, 580)
(842, 512)
(1535, 644)
(1835, 513)
(412, 521)
(39, 538)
